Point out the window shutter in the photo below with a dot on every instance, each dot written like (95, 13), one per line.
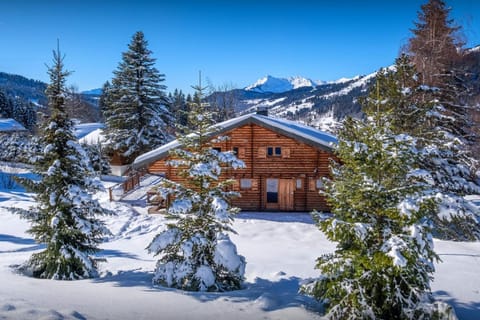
(285, 152)
(262, 152)
(241, 153)
(236, 185)
(311, 184)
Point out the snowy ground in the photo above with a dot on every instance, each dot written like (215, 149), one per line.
(280, 250)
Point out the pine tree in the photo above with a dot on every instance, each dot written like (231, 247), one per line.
(24, 113)
(65, 218)
(382, 203)
(435, 50)
(415, 109)
(403, 97)
(100, 163)
(446, 153)
(104, 101)
(383, 263)
(435, 45)
(4, 106)
(447, 137)
(136, 114)
(179, 109)
(196, 253)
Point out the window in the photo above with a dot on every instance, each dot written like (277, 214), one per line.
(235, 151)
(299, 183)
(272, 190)
(245, 183)
(217, 149)
(274, 151)
(319, 184)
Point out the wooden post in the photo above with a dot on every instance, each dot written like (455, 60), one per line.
(110, 194)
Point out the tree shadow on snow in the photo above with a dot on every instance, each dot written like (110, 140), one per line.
(268, 295)
(136, 203)
(32, 245)
(108, 253)
(130, 278)
(464, 311)
(16, 240)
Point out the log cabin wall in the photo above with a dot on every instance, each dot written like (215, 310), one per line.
(281, 174)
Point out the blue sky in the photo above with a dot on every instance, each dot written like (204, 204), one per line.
(234, 42)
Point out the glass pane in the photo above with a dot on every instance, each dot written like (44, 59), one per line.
(299, 183)
(272, 190)
(245, 183)
(272, 197)
(319, 183)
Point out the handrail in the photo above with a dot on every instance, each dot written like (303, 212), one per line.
(129, 184)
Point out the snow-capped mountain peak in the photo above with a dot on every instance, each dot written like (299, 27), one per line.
(299, 82)
(278, 85)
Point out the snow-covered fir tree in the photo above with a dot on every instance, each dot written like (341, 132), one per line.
(381, 207)
(196, 253)
(18, 147)
(136, 113)
(99, 161)
(65, 218)
(24, 112)
(19, 109)
(6, 105)
(447, 138)
(415, 109)
(383, 202)
(179, 109)
(104, 100)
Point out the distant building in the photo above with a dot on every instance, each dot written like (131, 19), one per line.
(285, 163)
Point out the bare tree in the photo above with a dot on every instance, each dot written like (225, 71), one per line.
(78, 108)
(223, 100)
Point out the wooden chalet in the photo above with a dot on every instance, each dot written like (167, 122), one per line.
(285, 163)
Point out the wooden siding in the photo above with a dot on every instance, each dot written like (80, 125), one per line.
(296, 168)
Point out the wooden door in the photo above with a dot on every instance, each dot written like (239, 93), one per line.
(279, 194)
(271, 194)
(285, 194)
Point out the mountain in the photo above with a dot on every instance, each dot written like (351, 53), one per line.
(79, 106)
(92, 92)
(319, 104)
(28, 89)
(271, 84)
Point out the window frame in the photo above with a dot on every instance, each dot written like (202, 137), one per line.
(274, 151)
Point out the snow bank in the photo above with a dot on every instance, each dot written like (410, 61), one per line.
(281, 249)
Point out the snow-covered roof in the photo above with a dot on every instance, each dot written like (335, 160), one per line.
(294, 130)
(93, 137)
(84, 129)
(10, 125)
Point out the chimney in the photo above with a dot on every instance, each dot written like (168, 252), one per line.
(262, 110)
